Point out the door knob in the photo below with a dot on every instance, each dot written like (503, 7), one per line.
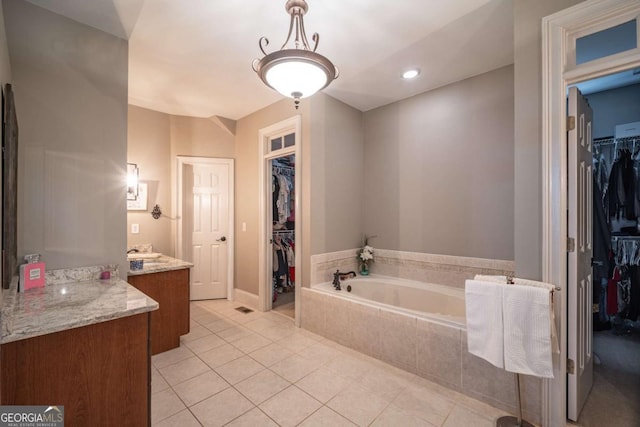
(222, 239)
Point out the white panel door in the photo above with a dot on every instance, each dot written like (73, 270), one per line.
(579, 280)
(209, 221)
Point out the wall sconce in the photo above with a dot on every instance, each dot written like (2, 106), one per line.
(133, 173)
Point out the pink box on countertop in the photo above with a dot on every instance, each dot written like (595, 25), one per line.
(31, 276)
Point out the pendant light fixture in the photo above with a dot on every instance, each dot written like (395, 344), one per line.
(296, 71)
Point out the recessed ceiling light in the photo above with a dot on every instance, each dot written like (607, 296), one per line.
(410, 74)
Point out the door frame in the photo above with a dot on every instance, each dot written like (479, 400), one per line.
(181, 161)
(292, 124)
(559, 70)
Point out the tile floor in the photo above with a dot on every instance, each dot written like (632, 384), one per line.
(258, 369)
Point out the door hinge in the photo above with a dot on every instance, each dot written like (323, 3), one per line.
(571, 367)
(571, 244)
(571, 123)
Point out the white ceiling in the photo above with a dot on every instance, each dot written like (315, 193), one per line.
(194, 57)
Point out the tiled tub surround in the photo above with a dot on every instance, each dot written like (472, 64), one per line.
(429, 268)
(419, 343)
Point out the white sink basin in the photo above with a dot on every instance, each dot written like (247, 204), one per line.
(149, 255)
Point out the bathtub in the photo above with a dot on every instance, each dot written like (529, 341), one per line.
(443, 304)
(418, 327)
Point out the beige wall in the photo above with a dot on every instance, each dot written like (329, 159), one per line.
(528, 131)
(337, 175)
(439, 170)
(192, 136)
(70, 82)
(149, 146)
(155, 139)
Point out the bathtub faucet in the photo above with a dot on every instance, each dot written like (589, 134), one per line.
(336, 280)
(337, 277)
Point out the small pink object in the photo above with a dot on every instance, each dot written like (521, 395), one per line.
(105, 275)
(32, 276)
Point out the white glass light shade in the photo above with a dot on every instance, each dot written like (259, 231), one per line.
(296, 78)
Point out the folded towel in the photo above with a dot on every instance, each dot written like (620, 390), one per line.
(486, 278)
(527, 325)
(485, 336)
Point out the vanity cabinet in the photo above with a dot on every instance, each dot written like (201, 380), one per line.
(100, 373)
(171, 290)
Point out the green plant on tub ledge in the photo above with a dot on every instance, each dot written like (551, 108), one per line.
(365, 256)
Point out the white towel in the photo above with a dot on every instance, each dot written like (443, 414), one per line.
(485, 335)
(555, 345)
(486, 278)
(527, 325)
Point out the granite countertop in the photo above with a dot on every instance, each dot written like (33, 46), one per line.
(158, 265)
(61, 306)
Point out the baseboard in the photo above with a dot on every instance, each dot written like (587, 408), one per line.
(246, 298)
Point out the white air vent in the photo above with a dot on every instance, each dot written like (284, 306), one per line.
(627, 130)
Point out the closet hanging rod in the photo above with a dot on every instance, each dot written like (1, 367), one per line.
(284, 167)
(616, 238)
(283, 232)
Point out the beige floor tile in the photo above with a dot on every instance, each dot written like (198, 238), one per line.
(221, 408)
(243, 318)
(220, 355)
(229, 311)
(196, 311)
(199, 388)
(195, 333)
(205, 343)
(320, 353)
(323, 384)
(294, 368)
(349, 366)
(251, 343)
(215, 305)
(260, 324)
(424, 403)
(290, 406)
(394, 416)
(220, 325)
(325, 417)
(158, 383)
(183, 370)
(262, 386)
(271, 354)
(384, 383)
(278, 332)
(208, 318)
(253, 418)
(296, 342)
(358, 404)
(170, 357)
(165, 404)
(463, 417)
(234, 333)
(239, 369)
(182, 419)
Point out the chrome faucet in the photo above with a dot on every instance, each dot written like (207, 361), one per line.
(134, 250)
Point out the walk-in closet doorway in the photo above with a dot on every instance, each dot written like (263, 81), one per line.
(280, 261)
(560, 34)
(615, 298)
